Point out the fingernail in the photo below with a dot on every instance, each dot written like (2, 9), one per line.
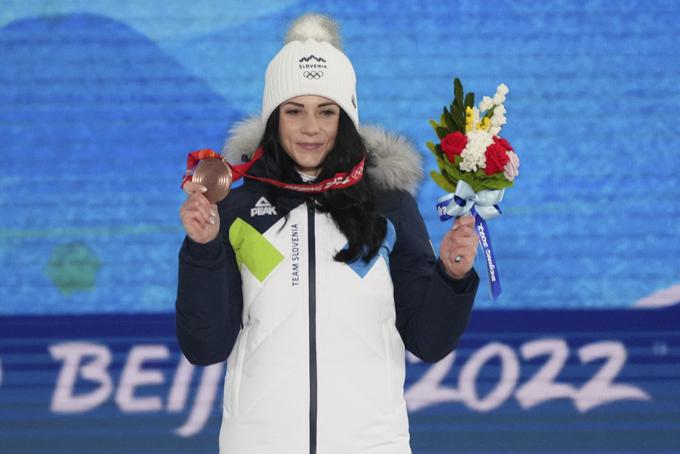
(212, 213)
(212, 221)
(203, 189)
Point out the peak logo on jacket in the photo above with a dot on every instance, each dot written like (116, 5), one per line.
(262, 208)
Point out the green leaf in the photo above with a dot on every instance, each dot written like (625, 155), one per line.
(434, 125)
(460, 122)
(441, 161)
(452, 172)
(448, 120)
(458, 93)
(441, 132)
(432, 147)
(470, 100)
(458, 118)
(442, 182)
(480, 180)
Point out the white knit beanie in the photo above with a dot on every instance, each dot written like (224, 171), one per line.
(311, 63)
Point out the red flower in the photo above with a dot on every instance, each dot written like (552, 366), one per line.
(453, 145)
(496, 156)
(502, 142)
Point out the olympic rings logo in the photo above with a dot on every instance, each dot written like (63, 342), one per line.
(313, 74)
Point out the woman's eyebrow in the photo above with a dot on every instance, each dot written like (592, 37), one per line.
(326, 104)
(294, 103)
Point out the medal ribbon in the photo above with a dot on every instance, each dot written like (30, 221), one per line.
(339, 180)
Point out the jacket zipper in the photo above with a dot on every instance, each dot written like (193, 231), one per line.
(311, 248)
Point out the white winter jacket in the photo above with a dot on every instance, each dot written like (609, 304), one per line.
(316, 347)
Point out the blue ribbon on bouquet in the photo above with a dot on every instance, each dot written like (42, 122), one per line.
(483, 205)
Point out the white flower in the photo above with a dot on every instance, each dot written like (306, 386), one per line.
(497, 119)
(500, 109)
(494, 130)
(473, 154)
(502, 89)
(499, 98)
(486, 104)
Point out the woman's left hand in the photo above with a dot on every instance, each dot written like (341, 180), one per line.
(459, 242)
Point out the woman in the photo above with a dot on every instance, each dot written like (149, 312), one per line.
(314, 276)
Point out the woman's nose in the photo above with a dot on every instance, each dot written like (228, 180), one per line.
(310, 125)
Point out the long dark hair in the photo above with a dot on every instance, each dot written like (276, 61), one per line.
(353, 208)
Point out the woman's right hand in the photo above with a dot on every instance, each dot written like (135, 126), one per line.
(200, 218)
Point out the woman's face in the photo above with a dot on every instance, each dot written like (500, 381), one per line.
(308, 126)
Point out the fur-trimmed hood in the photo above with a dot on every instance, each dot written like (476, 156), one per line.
(396, 164)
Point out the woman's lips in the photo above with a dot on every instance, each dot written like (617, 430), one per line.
(309, 146)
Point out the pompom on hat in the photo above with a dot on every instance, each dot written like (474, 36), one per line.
(311, 63)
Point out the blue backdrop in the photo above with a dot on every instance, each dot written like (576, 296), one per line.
(100, 102)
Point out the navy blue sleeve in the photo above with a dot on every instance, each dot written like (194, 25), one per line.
(432, 308)
(209, 301)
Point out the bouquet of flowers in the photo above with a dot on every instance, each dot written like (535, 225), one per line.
(470, 148)
(475, 164)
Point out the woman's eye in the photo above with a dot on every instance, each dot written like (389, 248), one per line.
(292, 111)
(328, 113)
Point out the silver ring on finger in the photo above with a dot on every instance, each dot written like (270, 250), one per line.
(458, 258)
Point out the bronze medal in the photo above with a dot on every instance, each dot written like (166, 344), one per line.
(215, 175)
